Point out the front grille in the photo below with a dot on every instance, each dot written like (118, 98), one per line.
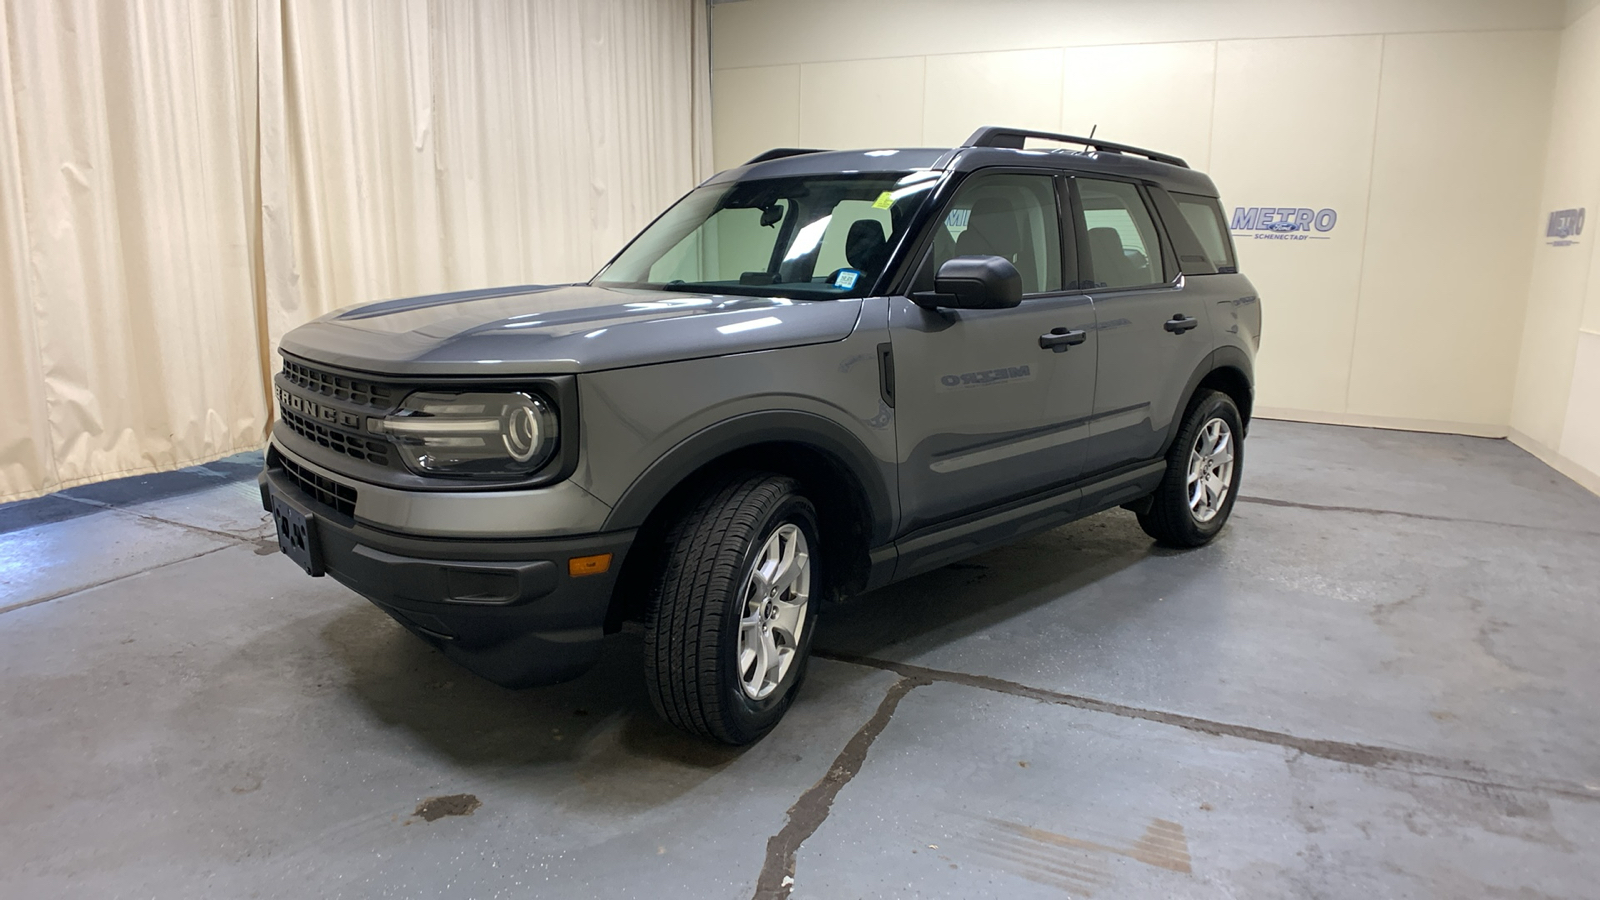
(337, 439)
(339, 387)
(330, 493)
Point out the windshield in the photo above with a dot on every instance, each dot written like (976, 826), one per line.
(811, 237)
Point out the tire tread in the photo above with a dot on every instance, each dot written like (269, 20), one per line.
(705, 553)
(1168, 519)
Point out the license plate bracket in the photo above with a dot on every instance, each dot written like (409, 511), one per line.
(297, 533)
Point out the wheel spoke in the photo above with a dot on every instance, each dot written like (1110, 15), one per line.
(785, 577)
(767, 656)
(789, 619)
(787, 545)
(760, 580)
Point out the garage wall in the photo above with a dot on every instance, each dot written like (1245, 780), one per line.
(1557, 410)
(1397, 116)
(181, 181)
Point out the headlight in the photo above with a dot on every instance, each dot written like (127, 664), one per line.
(473, 435)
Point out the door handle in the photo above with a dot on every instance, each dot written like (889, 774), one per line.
(1059, 339)
(1180, 323)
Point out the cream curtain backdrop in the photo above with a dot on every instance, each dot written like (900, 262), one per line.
(182, 182)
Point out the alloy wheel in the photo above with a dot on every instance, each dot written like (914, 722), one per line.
(1210, 470)
(773, 611)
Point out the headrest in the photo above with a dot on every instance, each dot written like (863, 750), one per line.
(864, 244)
(990, 206)
(1106, 240)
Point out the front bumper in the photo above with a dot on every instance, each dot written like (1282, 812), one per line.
(506, 609)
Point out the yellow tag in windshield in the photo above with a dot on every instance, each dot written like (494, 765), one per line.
(884, 201)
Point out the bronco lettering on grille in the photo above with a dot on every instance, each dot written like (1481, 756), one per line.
(314, 410)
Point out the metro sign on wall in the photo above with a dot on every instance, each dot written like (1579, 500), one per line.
(1283, 223)
(1564, 227)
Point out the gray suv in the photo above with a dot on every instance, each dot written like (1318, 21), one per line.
(814, 375)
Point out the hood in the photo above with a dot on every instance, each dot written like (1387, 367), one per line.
(535, 329)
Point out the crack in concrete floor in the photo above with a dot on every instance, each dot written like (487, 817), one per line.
(808, 813)
(1369, 511)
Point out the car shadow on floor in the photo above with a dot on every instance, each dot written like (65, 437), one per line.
(602, 722)
(595, 741)
(408, 683)
(943, 606)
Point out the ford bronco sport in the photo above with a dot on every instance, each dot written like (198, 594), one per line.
(814, 375)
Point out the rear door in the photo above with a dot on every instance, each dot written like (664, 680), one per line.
(1153, 334)
(984, 413)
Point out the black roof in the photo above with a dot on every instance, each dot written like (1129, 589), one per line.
(989, 146)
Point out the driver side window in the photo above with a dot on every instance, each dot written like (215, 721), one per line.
(1013, 216)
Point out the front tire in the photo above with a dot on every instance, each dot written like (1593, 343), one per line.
(1197, 492)
(728, 633)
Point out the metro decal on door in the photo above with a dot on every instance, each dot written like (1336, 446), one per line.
(1283, 223)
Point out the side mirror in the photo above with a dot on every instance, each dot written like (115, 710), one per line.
(974, 282)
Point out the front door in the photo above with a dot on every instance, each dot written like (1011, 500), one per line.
(1153, 334)
(986, 411)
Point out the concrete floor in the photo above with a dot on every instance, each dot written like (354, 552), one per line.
(1379, 682)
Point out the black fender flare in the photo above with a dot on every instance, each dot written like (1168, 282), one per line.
(1226, 356)
(1229, 356)
(750, 429)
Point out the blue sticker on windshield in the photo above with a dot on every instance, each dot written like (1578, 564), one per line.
(846, 279)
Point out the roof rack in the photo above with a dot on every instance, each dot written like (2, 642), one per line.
(1013, 139)
(780, 153)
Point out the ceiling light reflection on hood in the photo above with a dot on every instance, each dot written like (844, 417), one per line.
(750, 325)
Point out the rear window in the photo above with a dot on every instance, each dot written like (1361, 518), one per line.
(1123, 247)
(1204, 216)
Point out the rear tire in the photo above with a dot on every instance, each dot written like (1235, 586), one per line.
(728, 632)
(1197, 492)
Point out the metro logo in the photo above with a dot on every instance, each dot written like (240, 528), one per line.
(988, 376)
(1565, 224)
(1283, 220)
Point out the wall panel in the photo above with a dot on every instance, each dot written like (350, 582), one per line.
(967, 90)
(773, 32)
(1562, 274)
(753, 110)
(1580, 437)
(1446, 264)
(1148, 95)
(1300, 142)
(861, 103)
(1556, 410)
